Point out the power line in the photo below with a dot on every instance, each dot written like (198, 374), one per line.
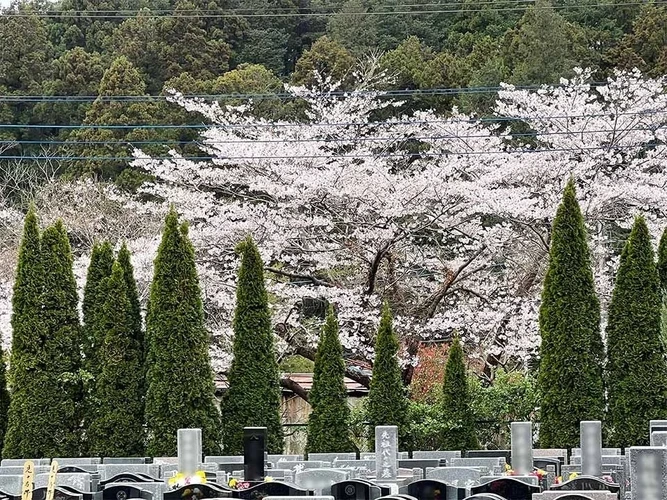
(82, 15)
(491, 119)
(312, 157)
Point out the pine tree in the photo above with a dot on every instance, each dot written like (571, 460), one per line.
(125, 261)
(387, 403)
(253, 397)
(456, 403)
(662, 272)
(24, 425)
(61, 356)
(119, 384)
(636, 370)
(328, 423)
(101, 260)
(572, 352)
(180, 389)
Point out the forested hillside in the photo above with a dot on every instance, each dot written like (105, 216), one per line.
(68, 66)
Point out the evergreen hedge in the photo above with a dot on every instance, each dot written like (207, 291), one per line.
(253, 397)
(61, 396)
(456, 403)
(180, 389)
(387, 403)
(572, 353)
(328, 423)
(24, 436)
(636, 370)
(117, 426)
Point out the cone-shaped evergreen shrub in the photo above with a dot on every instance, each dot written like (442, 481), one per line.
(456, 403)
(180, 393)
(25, 431)
(61, 356)
(636, 371)
(117, 425)
(101, 260)
(387, 403)
(253, 397)
(572, 352)
(662, 272)
(4, 398)
(328, 423)
(125, 261)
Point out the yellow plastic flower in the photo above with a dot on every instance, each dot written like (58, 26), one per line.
(232, 483)
(201, 475)
(573, 475)
(176, 479)
(508, 467)
(268, 479)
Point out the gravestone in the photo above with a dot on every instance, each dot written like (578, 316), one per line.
(80, 482)
(356, 489)
(386, 450)
(544, 462)
(11, 484)
(657, 426)
(309, 498)
(484, 464)
(648, 473)
(125, 491)
(60, 493)
(198, 491)
(591, 447)
(110, 470)
(78, 469)
(522, 447)
(587, 483)
(254, 448)
(128, 478)
(465, 477)
(273, 488)
(506, 454)
(417, 463)
(432, 489)
(508, 488)
(331, 457)
(124, 460)
(189, 443)
(319, 481)
(659, 438)
(484, 496)
(224, 459)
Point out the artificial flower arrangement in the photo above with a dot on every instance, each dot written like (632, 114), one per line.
(574, 475)
(180, 480)
(235, 484)
(538, 473)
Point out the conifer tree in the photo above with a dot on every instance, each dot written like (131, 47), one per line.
(253, 397)
(328, 423)
(24, 425)
(636, 370)
(456, 403)
(387, 403)
(180, 389)
(61, 355)
(572, 352)
(125, 261)
(662, 272)
(101, 260)
(119, 384)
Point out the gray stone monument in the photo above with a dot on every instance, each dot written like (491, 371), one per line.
(659, 438)
(386, 451)
(522, 448)
(657, 426)
(591, 447)
(648, 473)
(189, 450)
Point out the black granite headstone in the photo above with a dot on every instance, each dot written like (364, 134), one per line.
(197, 492)
(7, 496)
(575, 496)
(507, 487)
(485, 496)
(506, 454)
(125, 491)
(72, 469)
(356, 489)
(270, 489)
(127, 477)
(543, 463)
(433, 489)
(61, 493)
(254, 444)
(587, 483)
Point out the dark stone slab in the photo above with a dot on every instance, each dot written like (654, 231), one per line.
(269, 489)
(433, 489)
(128, 477)
(123, 492)
(197, 492)
(356, 489)
(587, 483)
(508, 488)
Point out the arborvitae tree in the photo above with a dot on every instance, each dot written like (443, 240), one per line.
(456, 403)
(636, 370)
(120, 383)
(101, 260)
(24, 427)
(253, 397)
(572, 353)
(61, 356)
(328, 423)
(662, 272)
(181, 392)
(387, 403)
(125, 261)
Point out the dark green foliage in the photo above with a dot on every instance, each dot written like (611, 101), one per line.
(24, 435)
(387, 403)
(101, 260)
(119, 384)
(456, 403)
(662, 261)
(328, 422)
(180, 390)
(125, 261)
(61, 354)
(572, 352)
(636, 371)
(253, 397)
